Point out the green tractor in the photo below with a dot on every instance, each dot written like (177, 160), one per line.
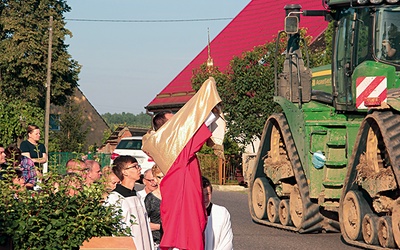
(330, 160)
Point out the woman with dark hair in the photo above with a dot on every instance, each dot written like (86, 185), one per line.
(31, 147)
(23, 163)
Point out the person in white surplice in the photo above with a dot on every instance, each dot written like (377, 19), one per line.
(218, 233)
(124, 197)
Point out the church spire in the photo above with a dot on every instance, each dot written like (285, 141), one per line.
(210, 63)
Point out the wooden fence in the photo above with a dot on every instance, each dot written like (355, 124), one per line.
(222, 172)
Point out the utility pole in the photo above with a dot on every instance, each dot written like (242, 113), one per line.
(47, 117)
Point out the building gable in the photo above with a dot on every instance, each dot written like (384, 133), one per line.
(93, 121)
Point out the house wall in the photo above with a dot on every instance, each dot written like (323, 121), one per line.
(93, 121)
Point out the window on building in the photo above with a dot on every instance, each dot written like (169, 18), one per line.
(54, 122)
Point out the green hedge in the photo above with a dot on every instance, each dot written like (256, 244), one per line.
(52, 219)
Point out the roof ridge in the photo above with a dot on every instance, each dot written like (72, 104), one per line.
(256, 24)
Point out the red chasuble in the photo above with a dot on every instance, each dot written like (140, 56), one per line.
(183, 214)
(173, 147)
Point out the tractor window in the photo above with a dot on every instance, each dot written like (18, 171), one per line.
(387, 36)
(362, 41)
(343, 53)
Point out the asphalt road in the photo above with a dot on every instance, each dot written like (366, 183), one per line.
(249, 235)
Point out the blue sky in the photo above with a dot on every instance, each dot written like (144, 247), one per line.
(126, 64)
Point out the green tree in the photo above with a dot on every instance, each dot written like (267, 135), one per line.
(321, 49)
(15, 115)
(107, 133)
(246, 90)
(247, 87)
(24, 34)
(24, 38)
(128, 119)
(72, 134)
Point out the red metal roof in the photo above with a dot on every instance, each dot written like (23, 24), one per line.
(255, 25)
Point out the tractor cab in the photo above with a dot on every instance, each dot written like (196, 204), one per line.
(365, 58)
(387, 35)
(366, 46)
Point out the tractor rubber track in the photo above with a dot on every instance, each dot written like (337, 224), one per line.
(388, 123)
(312, 219)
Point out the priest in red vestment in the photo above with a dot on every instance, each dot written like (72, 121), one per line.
(173, 147)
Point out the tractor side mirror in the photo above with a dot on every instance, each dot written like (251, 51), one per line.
(291, 24)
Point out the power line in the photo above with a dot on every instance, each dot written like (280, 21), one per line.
(148, 21)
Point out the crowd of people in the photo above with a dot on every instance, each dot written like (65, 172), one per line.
(174, 209)
(141, 207)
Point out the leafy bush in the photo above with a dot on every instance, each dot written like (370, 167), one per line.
(52, 218)
(246, 86)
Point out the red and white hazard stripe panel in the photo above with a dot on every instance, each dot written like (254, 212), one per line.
(371, 91)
